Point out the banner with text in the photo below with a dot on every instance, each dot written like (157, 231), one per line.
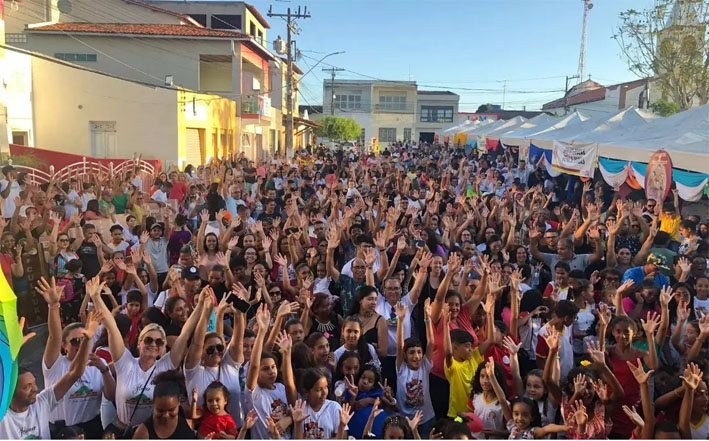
(574, 159)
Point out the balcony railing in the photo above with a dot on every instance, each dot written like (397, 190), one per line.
(256, 105)
(390, 108)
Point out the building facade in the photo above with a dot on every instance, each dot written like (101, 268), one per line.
(389, 110)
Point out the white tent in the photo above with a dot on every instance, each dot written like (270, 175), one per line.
(595, 129)
(685, 136)
(510, 125)
(455, 128)
(482, 126)
(521, 137)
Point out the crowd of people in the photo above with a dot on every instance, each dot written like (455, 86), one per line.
(424, 292)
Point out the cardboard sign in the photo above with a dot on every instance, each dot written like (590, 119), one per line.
(658, 176)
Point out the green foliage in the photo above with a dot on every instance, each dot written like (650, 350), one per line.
(669, 42)
(29, 160)
(664, 108)
(339, 129)
(484, 108)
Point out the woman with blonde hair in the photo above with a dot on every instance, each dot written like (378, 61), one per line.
(134, 376)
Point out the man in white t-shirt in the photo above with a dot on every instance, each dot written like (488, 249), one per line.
(28, 414)
(9, 189)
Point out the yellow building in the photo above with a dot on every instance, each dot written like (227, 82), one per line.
(101, 115)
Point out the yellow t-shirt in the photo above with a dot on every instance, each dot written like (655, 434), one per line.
(460, 375)
(670, 225)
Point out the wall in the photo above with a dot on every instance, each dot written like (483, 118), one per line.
(92, 11)
(215, 76)
(157, 57)
(434, 100)
(208, 112)
(16, 69)
(67, 99)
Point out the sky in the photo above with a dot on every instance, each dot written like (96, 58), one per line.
(458, 45)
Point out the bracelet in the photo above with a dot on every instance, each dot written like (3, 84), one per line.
(427, 321)
(53, 306)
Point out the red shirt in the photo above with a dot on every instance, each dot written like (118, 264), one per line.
(6, 262)
(178, 191)
(213, 424)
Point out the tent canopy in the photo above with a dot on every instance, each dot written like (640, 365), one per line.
(522, 136)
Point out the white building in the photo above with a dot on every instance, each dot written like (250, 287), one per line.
(435, 110)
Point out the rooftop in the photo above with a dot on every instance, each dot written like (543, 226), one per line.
(436, 92)
(166, 30)
(260, 18)
(163, 10)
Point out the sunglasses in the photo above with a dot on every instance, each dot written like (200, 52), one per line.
(150, 340)
(275, 292)
(210, 349)
(76, 341)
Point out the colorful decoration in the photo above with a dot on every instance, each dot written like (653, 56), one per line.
(658, 176)
(10, 343)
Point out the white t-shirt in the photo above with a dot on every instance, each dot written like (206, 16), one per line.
(322, 424)
(386, 311)
(701, 307)
(566, 348)
(412, 390)
(32, 423)
(490, 413)
(69, 207)
(10, 199)
(159, 196)
(227, 373)
(85, 198)
(83, 400)
(129, 383)
(267, 402)
(373, 352)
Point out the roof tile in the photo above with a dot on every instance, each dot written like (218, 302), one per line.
(138, 29)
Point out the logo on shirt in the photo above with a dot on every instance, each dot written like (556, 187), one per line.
(311, 430)
(139, 399)
(29, 432)
(414, 393)
(278, 410)
(83, 392)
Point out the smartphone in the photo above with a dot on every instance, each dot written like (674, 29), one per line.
(419, 243)
(239, 304)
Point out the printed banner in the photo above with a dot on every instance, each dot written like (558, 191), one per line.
(574, 159)
(658, 176)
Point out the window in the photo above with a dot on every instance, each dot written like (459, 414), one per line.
(200, 18)
(260, 37)
(20, 138)
(226, 21)
(407, 134)
(348, 102)
(76, 57)
(15, 38)
(392, 102)
(436, 113)
(387, 135)
(252, 29)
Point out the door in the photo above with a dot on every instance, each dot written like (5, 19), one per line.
(103, 139)
(194, 147)
(426, 137)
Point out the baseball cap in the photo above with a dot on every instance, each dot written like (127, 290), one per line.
(158, 225)
(658, 261)
(190, 273)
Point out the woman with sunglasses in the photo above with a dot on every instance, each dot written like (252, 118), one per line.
(60, 247)
(134, 376)
(82, 405)
(208, 360)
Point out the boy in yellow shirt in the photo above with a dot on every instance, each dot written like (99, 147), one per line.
(461, 362)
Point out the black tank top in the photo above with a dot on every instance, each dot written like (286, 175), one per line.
(182, 431)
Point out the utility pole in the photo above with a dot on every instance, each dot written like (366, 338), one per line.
(333, 71)
(566, 92)
(504, 92)
(587, 6)
(290, 24)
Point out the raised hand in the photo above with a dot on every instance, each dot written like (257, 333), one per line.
(594, 351)
(333, 238)
(427, 308)
(351, 386)
(653, 321)
(263, 317)
(599, 386)
(298, 412)
(639, 371)
(401, 311)
(552, 338)
(577, 415)
(94, 319)
(250, 419)
(692, 376)
(204, 216)
(281, 260)
(510, 345)
(284, 341)
(634, 416)
(50, 292)
(346, 414)
(414, 422)
(426, 259)
(666, 295)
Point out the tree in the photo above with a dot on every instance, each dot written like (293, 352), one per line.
(484, 108)
(664, 108)
(338, 128)
(669, 42)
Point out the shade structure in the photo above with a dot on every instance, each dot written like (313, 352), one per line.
(530, 127)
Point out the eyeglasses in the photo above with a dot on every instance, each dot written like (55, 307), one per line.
(150, 340)
(64, 240)
(275, 292)
(76, 341)
(210, 349)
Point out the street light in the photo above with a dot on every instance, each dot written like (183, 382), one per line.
(319, 61)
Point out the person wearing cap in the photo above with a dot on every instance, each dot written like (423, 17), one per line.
(10, 188)
(190, 282)
(649, 271)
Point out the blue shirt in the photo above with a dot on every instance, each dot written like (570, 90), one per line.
(636, 275)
